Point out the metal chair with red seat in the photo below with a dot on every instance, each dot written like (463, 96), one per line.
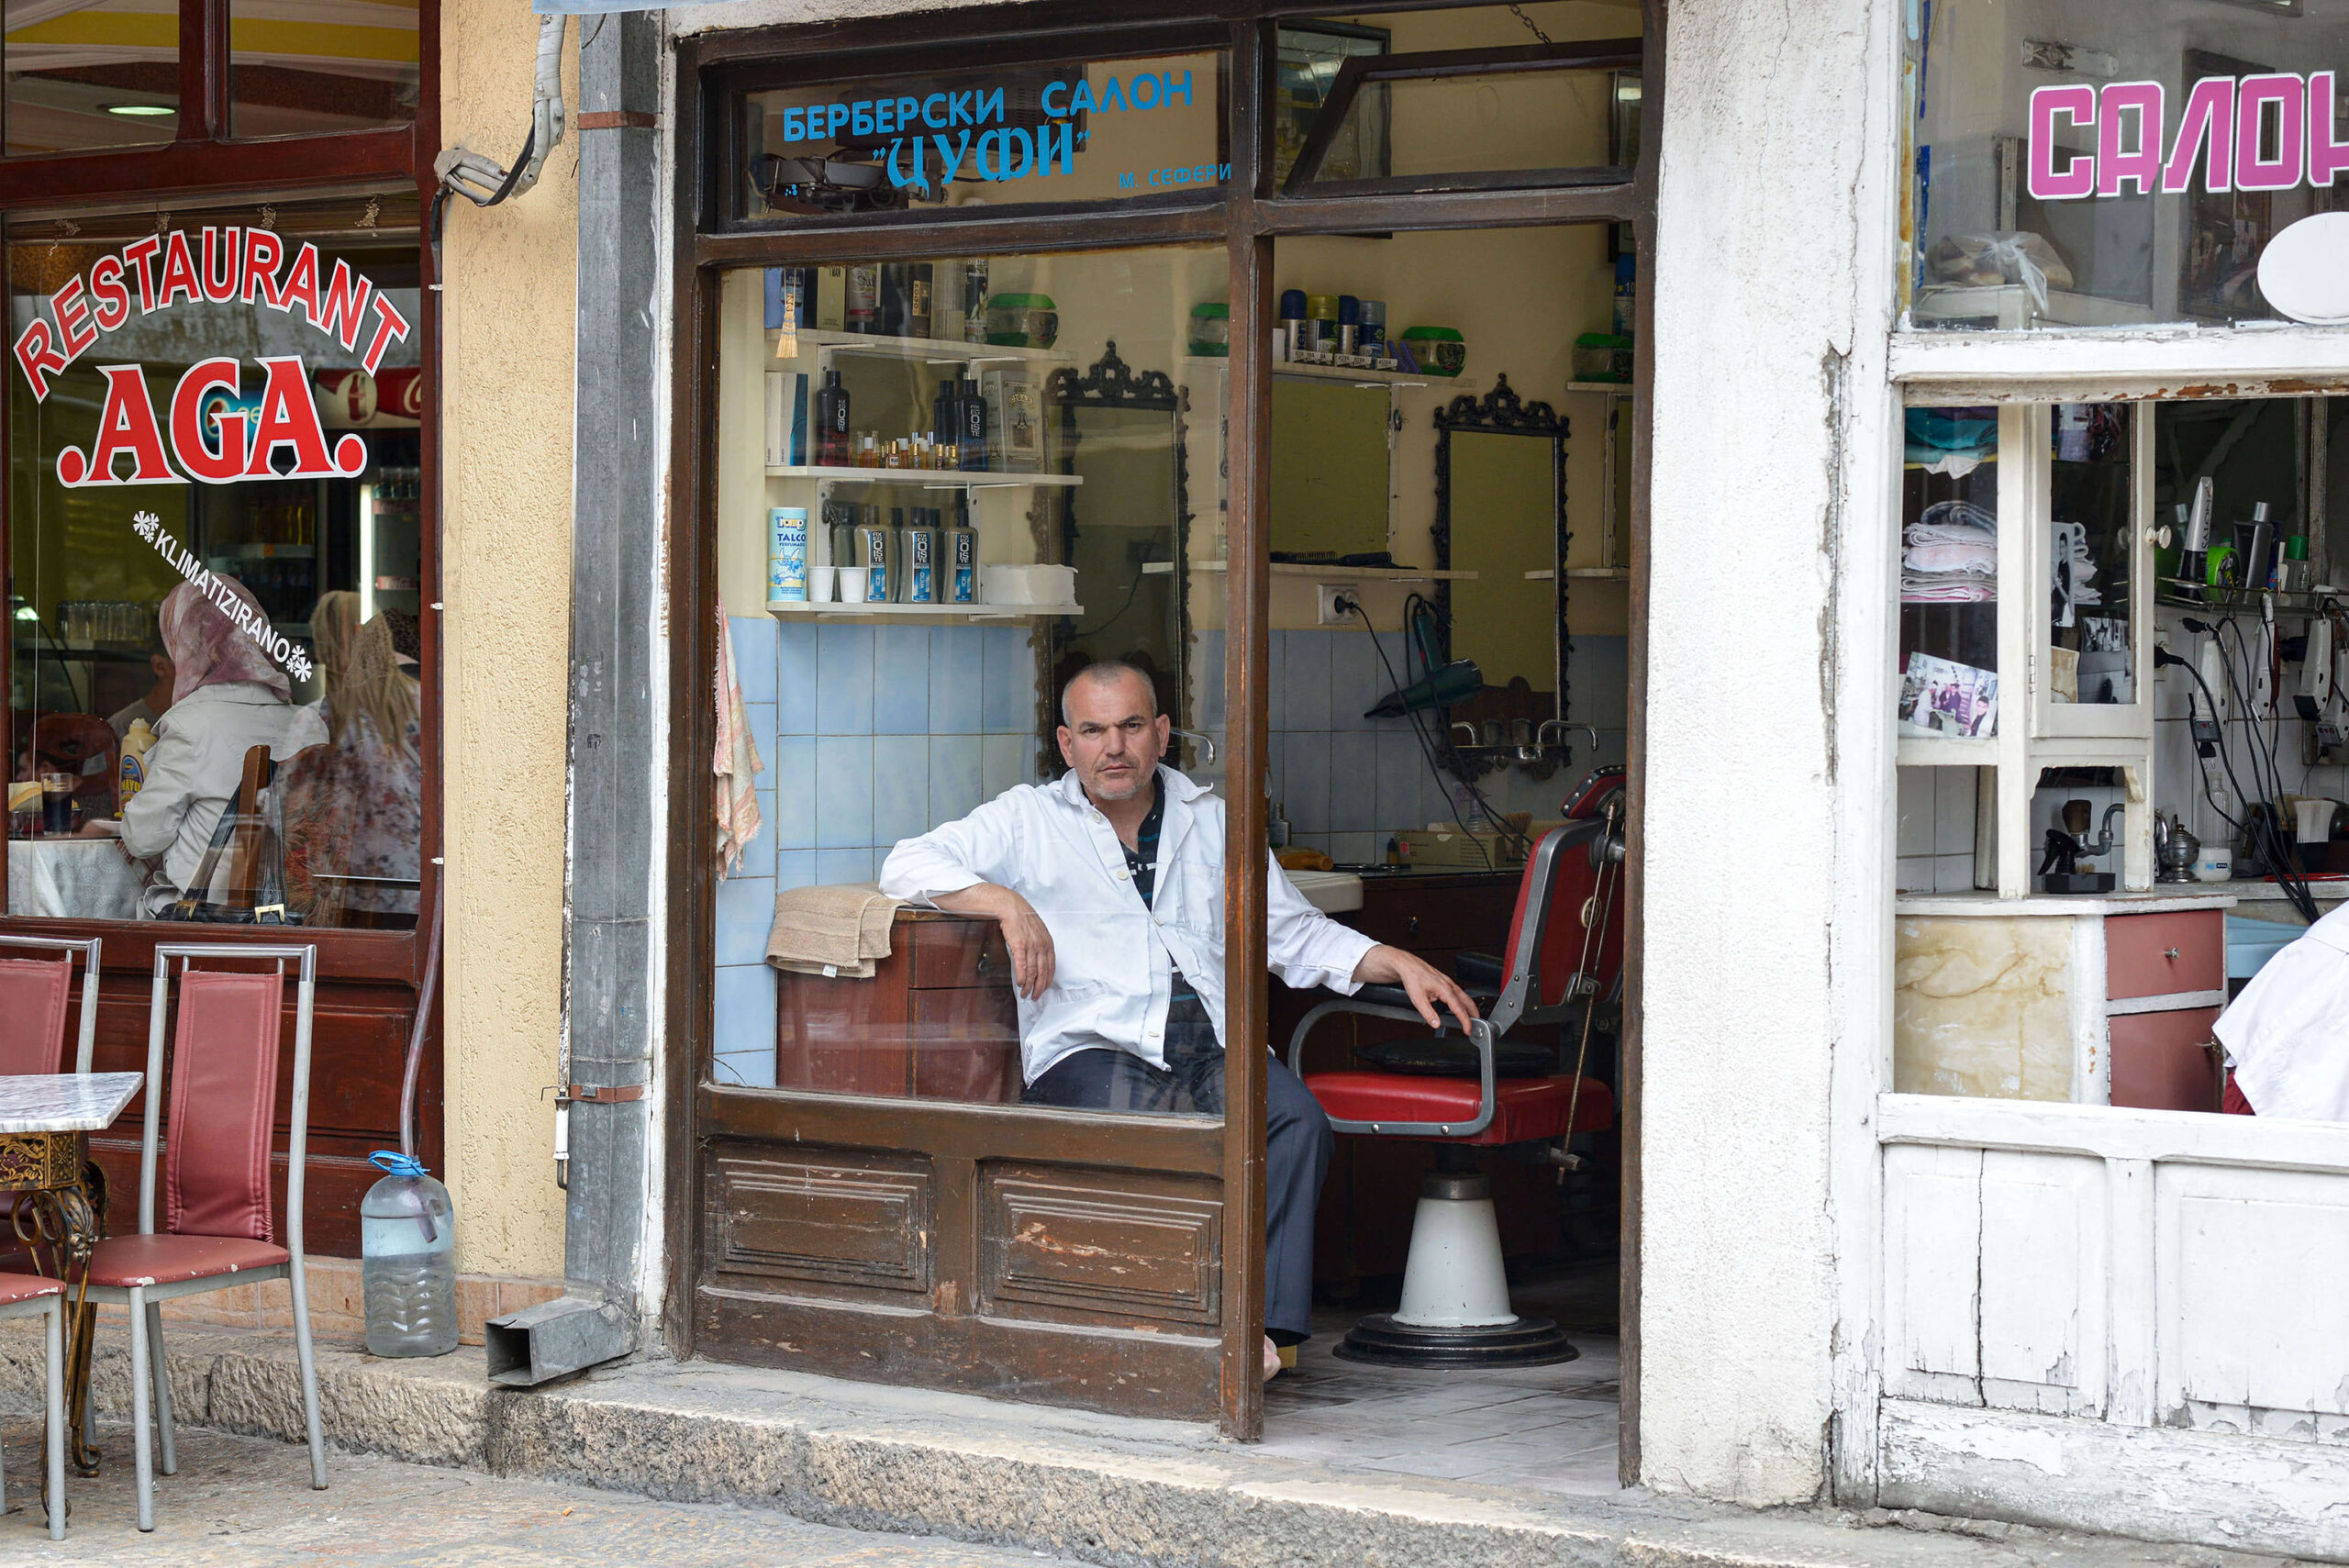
(35, 995)
(30, 1295)
(217, 1229)
(1564, 959)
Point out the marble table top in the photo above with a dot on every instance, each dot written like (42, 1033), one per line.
(64, 1102)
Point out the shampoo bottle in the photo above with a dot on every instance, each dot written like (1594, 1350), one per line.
(831, 422)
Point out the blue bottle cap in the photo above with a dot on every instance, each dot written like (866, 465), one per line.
(392, 1163)
(1292, 305)
(1349, 310)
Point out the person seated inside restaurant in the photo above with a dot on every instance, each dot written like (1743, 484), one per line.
(227, 696)
(154, 703)
(2287, 1036)
(1108, 886)
(352, 810)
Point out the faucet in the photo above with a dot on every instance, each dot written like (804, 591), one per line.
(2076, 822)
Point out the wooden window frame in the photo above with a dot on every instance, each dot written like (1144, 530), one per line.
(1248, 215)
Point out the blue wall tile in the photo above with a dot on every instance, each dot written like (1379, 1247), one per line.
(747, 1069)
(1357, 678)
(1356, 848)
(900, 787)
(1304, 677)
(758, 855)
(956, 770)
(754, 640)
(1353, 782)
(795, 681)
(843, 791)
(957, 672)
(844, 679)
(1599, 681)
(745, 1011)
(1003, 762)
(1275, 779)
(1305, 779)
(901, 680)
(761, 716)
(795, 868)
(834, 866)
(1208, 659)
(1402, 779)
(745, 915)
(1002, 655)
(794, 770)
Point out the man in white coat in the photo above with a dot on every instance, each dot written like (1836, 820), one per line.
(2288, 1035)
(1108, 885)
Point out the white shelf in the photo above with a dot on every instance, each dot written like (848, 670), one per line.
(927, 478)
(973, 612)
(927, 351)
(1597, 574)
(1330, 573)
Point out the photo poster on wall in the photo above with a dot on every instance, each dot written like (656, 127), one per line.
(1940, 699)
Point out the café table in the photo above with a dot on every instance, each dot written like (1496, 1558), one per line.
(88, 879)
(58, 1200)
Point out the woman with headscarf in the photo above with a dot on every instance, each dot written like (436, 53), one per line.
(227, 696)
(353, 810)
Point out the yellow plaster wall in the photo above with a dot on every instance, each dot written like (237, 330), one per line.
(507, 365)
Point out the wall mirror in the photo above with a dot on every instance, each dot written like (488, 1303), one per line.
(1500, 512)
(1332, 467)
(1121, 434)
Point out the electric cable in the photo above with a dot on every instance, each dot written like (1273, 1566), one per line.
(2259, 828)
(1524, 843)
(1426, 751)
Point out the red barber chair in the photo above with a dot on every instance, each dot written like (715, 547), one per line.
(1563, 962)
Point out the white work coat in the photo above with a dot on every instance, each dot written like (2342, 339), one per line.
(1114, 960)
(2288, 1035)
(196, 764)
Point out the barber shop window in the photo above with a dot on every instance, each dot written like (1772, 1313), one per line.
(2090, 166)
(943, 487)
(1101, 131)
(216, 562)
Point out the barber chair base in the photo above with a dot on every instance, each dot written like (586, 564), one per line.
(1455, 1308)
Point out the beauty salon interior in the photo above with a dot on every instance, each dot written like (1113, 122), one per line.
(943, 482)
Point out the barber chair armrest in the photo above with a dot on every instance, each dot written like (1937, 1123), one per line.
(1394, 1001)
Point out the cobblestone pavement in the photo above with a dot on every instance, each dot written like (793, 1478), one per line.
(247, 1503)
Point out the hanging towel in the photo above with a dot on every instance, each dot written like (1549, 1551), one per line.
(736, 763)
(841, 930)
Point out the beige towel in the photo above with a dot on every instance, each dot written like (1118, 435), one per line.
(839, 931)
(736, 763)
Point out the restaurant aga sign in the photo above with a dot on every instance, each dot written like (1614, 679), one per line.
(217, 433)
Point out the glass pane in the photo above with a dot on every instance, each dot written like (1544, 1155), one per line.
(315, 66)
(921, 534)
(2079, 164)
(1487, 123)
(213, 497)
(1949, 575)
(2091, 656)
(1110, 130)
(84, 76)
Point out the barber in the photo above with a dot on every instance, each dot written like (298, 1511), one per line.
(1108, 886)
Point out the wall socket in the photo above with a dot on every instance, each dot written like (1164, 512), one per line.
(1335, 603)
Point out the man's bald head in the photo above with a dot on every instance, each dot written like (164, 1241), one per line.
(1105, 672)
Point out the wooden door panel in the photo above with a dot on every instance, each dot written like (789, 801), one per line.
(821, 1218)
(1085, 1245)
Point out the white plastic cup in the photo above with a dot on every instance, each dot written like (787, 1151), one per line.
(852, 585)
(819, 584)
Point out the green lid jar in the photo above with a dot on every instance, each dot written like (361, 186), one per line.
(1211, 329)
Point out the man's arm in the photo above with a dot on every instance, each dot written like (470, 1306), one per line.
(1427, 985)
(953, 867)
(1023, 932)
(1308, 949)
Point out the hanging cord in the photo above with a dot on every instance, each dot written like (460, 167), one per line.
(1597, 911)
(415, 1036)
(1426, 751)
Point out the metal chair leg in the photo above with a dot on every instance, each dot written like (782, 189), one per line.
(309, 1362)
(168, 1451)
(55, 1401)
(141, 1440)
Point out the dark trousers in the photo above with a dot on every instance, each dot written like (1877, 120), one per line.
(1297, 1143)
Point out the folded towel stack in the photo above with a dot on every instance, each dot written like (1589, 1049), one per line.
(1950, 556)
(841, 930)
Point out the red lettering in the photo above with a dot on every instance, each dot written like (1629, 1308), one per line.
(126, 423)
(179, 272)
(37, 352)
(105, 287)
(263, 250)
(138, 253)
(219, 276)
(225, 465)
(346, 304)
(301, 284)
(391, 327)
(73, 318)
(289, 417)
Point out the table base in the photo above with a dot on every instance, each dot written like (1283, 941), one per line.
(59, 1213)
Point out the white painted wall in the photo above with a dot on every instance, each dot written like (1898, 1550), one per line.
(1768, 830)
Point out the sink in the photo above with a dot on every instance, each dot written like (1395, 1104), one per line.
(1331, 892)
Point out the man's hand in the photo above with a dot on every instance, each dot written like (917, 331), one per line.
(1023, 932)
(1427, 985)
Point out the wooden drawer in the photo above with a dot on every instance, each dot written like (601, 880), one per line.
(2161, 1062)
(2158, 955)
(954, 954)
(1418, 918)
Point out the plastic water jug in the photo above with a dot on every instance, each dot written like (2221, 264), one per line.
(407, 1242)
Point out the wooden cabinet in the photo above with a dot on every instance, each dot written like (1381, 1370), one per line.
(937, 1021)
